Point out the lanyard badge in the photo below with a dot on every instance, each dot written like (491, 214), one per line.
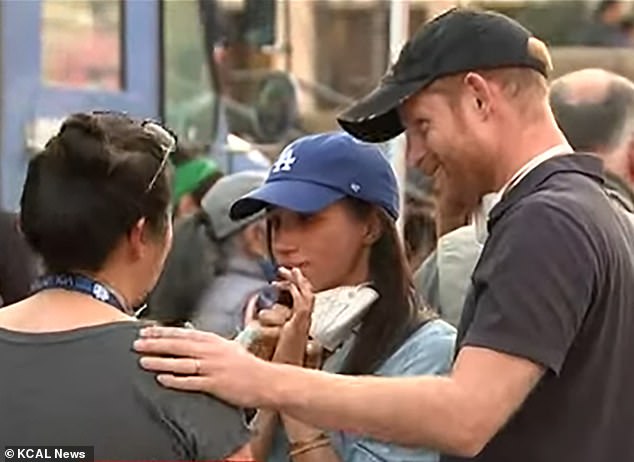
(81, 284)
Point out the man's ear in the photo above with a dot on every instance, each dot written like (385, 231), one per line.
(254, 238)
(480, 94)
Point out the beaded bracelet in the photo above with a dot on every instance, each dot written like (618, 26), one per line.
(301, 447)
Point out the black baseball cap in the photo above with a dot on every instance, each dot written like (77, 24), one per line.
(459, 40)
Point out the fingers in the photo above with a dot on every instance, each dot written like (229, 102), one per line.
(302, 304)
(300, 287)
(283, 285)
(250, 310)
(297, 278)
(169, 346)
(303, 284)
(185, 366)
(274, 317)
(270, 332)
(297, 296)
(302, 311)
(285, 273)
(313, 348)
(189, 383)
(314, 355)
(176, 332)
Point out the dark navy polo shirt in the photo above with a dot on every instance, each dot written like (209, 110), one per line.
(555, 285)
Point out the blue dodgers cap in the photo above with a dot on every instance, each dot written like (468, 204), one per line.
(315, 171)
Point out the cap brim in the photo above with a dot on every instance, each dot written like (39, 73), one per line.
(298, 196)
(375, 118)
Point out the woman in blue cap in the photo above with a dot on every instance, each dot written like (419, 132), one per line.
(333, 203)
(332, 207)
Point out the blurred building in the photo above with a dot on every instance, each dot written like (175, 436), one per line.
(338, 49)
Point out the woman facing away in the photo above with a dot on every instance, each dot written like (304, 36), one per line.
(332, 206)
(96, 207)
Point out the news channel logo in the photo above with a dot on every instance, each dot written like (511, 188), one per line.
(49, 453)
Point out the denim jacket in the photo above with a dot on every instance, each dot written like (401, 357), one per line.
(428, 351)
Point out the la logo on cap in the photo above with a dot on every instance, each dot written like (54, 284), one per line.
(285, 161)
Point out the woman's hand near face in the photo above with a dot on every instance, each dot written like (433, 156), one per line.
(262, 330)
(280, 334)
(292, 329)
(292, 345)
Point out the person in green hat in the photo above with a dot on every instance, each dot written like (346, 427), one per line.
(193, 177)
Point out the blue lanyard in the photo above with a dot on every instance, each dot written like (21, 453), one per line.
(81, 284)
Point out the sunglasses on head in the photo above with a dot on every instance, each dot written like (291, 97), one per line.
(165, 138)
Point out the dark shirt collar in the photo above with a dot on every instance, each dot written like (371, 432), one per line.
(618, 189)
(584, 164)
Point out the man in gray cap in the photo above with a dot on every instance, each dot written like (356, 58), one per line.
(243, 243)
(542, 363)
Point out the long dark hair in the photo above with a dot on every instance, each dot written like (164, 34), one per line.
(398, 312)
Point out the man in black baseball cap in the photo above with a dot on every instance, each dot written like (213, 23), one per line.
(456, 42)
(469, 91)
(452, 47)
(542, 363)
